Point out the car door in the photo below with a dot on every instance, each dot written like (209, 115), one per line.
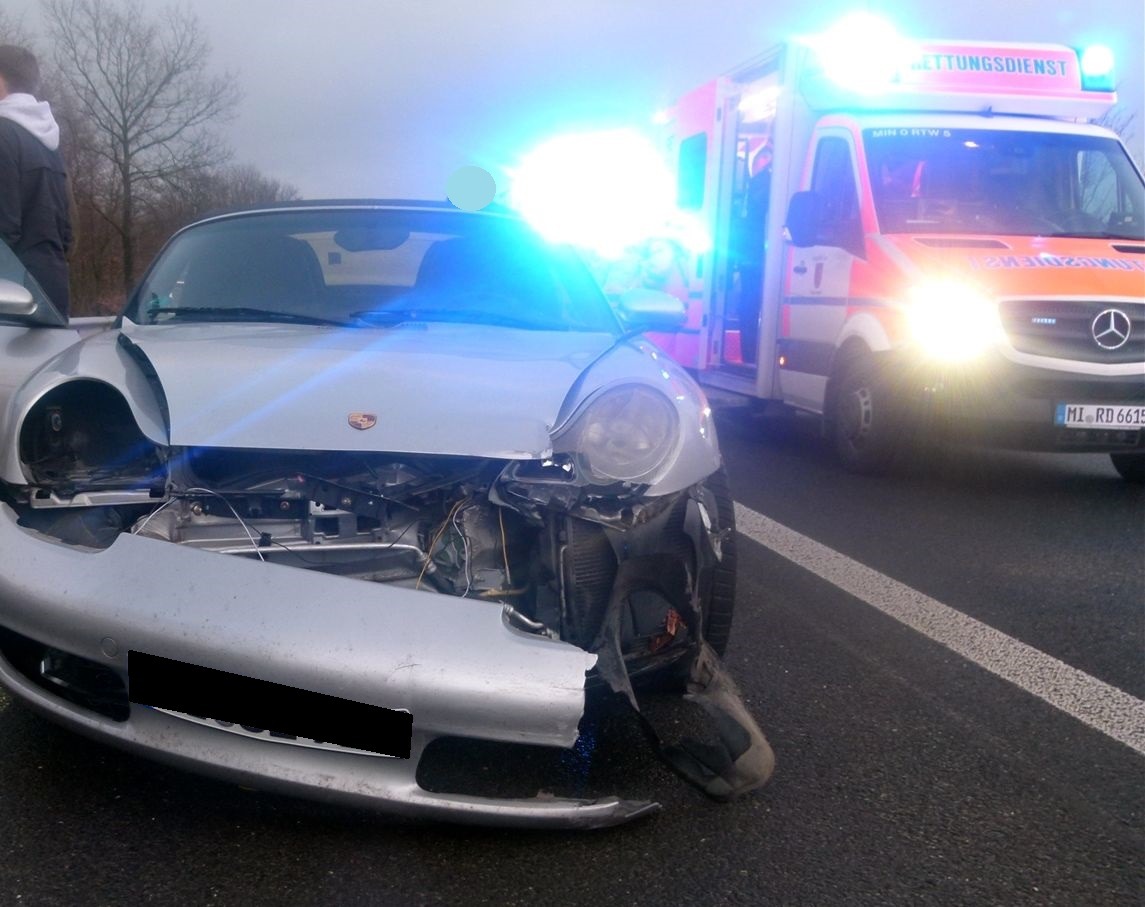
(817, 282)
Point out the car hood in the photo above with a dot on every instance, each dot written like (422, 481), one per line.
(1030, 266)
(468, 390)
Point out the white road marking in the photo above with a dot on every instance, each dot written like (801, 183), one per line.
(1098, 704)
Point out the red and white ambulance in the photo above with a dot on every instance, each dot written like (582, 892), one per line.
(919, 239)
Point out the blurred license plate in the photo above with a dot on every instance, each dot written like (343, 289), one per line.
(260, 708)
(1090, 415)
(247, 730)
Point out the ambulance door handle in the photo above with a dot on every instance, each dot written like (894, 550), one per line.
(800, 269)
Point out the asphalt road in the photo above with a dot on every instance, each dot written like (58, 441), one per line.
(908, 773)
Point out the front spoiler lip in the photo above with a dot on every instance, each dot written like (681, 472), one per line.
(386, 784)
(455, 664)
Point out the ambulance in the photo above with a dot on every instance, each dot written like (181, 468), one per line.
(918, 240)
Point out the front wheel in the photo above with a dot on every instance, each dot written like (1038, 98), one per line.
(866, 420)
(1130, 466)
(718, 604)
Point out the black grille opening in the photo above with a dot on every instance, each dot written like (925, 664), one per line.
(1090, 389)
(1063, 329)
(1129, 439)
(611, 754)
(77, 680)
(954, 242)
(590, 571)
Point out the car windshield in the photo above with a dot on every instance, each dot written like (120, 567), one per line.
(370, 268)
(983, 181)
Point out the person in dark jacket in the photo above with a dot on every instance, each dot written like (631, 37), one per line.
(34, 212)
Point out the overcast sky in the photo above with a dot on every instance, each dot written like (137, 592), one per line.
(386, 98)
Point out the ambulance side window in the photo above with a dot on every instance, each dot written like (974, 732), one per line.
(1102, 196)
(833, 180)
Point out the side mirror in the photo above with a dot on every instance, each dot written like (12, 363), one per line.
(804, 217)
(16, 299)
(650, 310)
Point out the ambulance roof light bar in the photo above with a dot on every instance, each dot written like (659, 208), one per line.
(865, 53)
(863, 63)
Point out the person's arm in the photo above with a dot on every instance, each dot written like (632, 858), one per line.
(70, 226)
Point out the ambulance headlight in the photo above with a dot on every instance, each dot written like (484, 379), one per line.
(952, 321)
(624, 435)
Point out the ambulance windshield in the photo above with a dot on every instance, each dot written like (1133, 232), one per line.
(987, 181)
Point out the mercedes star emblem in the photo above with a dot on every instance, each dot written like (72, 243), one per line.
(1110, 329)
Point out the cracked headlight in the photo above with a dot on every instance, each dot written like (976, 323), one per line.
(623, 435)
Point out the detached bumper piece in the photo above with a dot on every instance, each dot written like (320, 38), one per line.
(740, 759)
(737, 757)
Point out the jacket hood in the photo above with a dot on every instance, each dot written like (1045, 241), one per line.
(35, 116)
(464, 390)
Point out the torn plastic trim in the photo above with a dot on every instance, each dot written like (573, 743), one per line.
(534, 487)
(739, 759)
(736, 757)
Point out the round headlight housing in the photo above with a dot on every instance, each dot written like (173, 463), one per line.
(625, 434)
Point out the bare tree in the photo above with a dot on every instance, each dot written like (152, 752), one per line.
(142, 86)
(1122, 119)
(232, 186)
(12, 30)
(242, 184)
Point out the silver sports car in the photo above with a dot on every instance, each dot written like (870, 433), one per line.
(348, 478)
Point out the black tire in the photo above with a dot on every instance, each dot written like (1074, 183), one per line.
(866, 422)
(1130, 466)
(720, 607)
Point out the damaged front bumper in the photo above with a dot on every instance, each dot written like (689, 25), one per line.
(457, 666)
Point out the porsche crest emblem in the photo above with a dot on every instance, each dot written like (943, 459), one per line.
(362, 421)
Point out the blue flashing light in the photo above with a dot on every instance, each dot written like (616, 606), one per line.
(606, 191)
(1097, 68)
(863, 52)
